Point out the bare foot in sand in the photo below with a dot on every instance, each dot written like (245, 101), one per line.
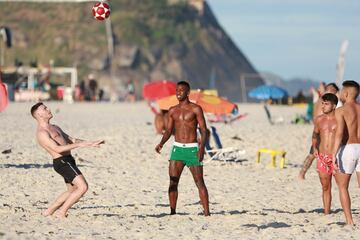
(349, 227)
(47, 213)
(60, 215)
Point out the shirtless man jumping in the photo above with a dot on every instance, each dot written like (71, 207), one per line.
(59, 145)
(185, 117)
(347, 143)
(324, 131)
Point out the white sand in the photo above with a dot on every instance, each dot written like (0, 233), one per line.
(128, 181)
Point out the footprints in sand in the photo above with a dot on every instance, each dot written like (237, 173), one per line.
(14, 209)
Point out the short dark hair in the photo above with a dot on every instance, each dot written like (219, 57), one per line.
(352, 84)
(35, 107)
(184, 83)
(329, 97)
(333, 85)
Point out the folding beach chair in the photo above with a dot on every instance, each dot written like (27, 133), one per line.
(220, 153)
(226, 118)
(271, 119)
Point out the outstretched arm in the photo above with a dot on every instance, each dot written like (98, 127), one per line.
(48, 143)
(202, 125)
(69, 139)
(167, 133)
(75, 140)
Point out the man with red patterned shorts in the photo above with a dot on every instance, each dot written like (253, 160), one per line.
(324, 131)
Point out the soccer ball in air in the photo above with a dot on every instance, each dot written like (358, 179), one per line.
(101, 11)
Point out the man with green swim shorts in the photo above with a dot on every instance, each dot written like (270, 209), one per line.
(186, 151)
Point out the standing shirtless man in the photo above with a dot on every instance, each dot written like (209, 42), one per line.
(184, 118)
(347, 143)
(329, 88)
(324, 131)
(59, 145)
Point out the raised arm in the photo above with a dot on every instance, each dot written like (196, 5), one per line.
(168, 131)
(202, 125)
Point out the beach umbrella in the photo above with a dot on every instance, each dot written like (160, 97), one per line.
(209, 103)
(3, 97)
(265, 92)
(158, 89)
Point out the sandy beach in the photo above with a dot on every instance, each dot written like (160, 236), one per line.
(128, 181)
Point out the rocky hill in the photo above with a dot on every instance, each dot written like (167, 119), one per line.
(162, 39)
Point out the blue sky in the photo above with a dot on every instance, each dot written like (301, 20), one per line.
(294, 38)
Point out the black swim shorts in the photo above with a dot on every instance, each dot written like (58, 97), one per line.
(66, 167)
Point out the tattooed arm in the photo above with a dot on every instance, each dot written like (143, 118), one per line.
(309, 158)
(316, 137)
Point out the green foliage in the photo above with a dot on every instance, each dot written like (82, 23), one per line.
(151, 22)
(67, 33)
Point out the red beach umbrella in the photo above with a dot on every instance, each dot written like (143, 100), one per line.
(158, 89)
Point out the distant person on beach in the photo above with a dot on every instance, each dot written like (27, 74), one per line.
(347, 143)
(59, 145)
(93, 86)
(130, 95)
(82, 87)
(324, 132)
(186, 151)
(329, 88)
(318, 92)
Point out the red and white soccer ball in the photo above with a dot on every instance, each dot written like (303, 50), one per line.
(101, 11)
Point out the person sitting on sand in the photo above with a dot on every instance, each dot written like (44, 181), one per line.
(324, 131)
(59, 145)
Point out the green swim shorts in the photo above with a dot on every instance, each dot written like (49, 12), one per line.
(186, 153)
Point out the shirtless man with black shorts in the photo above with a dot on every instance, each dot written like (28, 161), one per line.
(59, 145)
(184, 118)
(347, 144)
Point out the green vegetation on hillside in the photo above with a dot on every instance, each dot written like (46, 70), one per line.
(69, 35)
(153, 40)
(148, 22)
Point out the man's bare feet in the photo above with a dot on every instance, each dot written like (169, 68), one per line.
(350, 227)
(61, 215)
(173, 211)
(47, 213)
